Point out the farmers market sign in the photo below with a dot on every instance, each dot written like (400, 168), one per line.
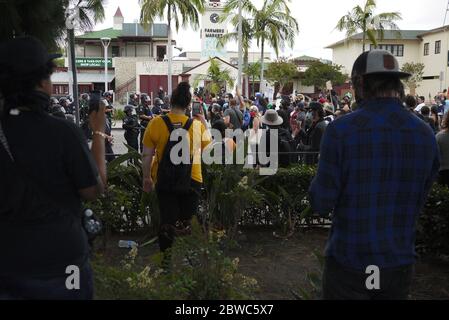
(92, 62)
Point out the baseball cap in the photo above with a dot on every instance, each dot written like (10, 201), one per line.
(23, 55)
(377, 62)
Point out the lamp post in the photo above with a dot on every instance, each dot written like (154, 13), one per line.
(105, 42)
(72, 16)
(240, 43)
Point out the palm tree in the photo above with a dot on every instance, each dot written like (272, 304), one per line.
(182, 12)
(215, 77)
(371, 25)
(252, 70)
(45, 19)
(273, 24)
(247, 36)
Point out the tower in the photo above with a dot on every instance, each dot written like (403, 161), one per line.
(118, 20)
(212, 30)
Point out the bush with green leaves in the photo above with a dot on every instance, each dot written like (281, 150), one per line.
(229, 191)
(196, 268)
(125, 207)
(433, 224)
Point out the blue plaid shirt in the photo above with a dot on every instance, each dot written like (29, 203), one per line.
(376, 168)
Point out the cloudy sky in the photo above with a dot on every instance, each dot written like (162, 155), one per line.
(316, 18)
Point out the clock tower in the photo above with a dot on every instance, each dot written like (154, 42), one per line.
(212, 30)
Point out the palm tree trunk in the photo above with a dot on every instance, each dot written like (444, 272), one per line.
(245, 63)
(262, 65)
(364, 40)
(169, 53)
(254, 86)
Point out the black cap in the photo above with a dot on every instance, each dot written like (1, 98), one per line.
(377, 62)
(23, 55)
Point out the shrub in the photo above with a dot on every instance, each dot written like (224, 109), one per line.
(119, 115)
(198, 270)
(433, 224)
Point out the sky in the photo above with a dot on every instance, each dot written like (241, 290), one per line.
(317, 20)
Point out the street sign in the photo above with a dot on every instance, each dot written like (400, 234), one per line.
(92, 62)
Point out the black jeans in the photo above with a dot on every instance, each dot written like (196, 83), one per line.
(176, 209)
(444, 178)
(341, 283)
(49, 288)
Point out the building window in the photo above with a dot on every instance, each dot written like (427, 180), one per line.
(438, 47)
(115, 51)
(161, 52)
(426, 49)
(396, 49)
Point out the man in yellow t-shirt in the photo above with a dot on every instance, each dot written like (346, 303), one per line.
(174, 208)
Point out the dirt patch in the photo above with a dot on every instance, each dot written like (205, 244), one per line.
(281, 266)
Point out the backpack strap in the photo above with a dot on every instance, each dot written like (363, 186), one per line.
(188, 124)
(168, 123)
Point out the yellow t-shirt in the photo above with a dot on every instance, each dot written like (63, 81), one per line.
(157, 134)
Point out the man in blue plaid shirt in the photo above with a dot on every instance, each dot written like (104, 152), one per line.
(376, 168)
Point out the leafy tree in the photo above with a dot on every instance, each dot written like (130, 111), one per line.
(215, 77)
(45, 19)
(371, 25)
(319, 73)
(281, 72)
(417, 72)
(181, 12)
(252, 70)
(273, 24)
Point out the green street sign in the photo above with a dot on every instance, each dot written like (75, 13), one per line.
(92, 62)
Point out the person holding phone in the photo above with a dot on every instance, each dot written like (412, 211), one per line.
(46, 171)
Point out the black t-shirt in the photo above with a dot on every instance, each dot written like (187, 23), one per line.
(53, 153)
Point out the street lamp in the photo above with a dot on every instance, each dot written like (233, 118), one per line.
(105, 42)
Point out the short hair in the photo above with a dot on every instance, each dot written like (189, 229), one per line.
(377, 85)
(410, 101)
(232, 102)
(422, 98)
(425, 111)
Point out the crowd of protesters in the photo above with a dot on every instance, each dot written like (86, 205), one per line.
(378, 155)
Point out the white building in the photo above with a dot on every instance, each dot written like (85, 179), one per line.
(138, 56)
(428, 47)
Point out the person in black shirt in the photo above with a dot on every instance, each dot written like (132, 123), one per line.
(425, 112)
(132, 128)
(145, 116)
(42, 235)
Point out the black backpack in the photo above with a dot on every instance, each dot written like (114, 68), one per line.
(174, 178)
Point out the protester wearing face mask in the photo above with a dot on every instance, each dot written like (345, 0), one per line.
(310, 140)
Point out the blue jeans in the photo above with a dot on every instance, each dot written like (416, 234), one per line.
(25, 288)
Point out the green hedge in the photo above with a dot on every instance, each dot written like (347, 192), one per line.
(234, 196)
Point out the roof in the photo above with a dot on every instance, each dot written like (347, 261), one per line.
(159, 30)
(118, 13)
(83, 78)
(441, 29)
(189, 70)
(388, 35)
